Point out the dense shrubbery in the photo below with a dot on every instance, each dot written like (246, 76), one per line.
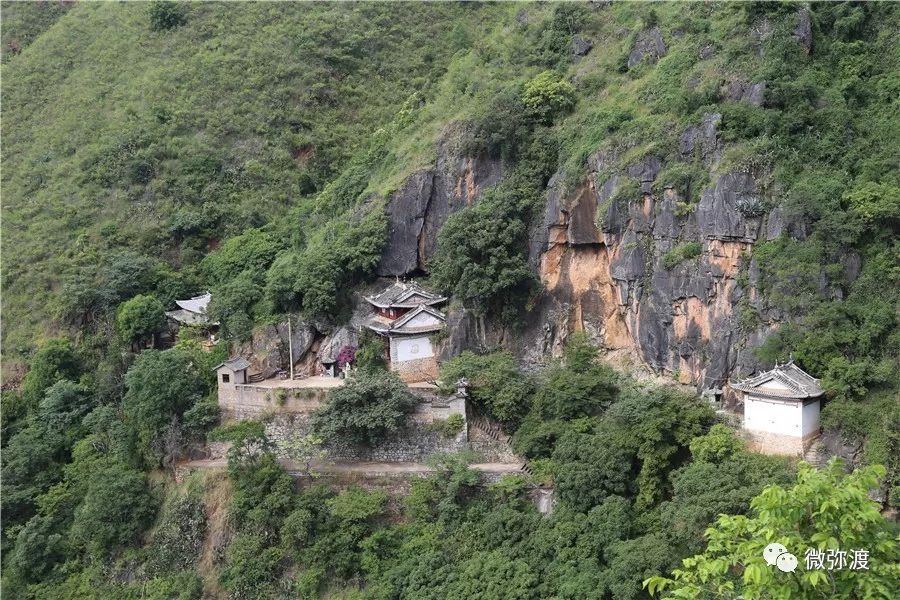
(366, 409)
(496, 385)
(140, 318)
(809, 515)
(165, 14)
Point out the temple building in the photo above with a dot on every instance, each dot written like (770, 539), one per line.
(192, 313)
(406, 318)
(781, 409)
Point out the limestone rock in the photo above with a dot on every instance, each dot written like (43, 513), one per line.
(803, 31)
(581, 46)
(719, 215)
(649, 45)
(267, 349)
(335, 341)
(743, 91)
(406, 211)
(418, 210)
(645, 171)
(702, 140)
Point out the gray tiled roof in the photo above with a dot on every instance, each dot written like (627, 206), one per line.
(398, 326)
(798, 382)
(197, 304)
(404, 295)
(238, 363)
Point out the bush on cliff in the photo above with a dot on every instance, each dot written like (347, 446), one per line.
(365, 410)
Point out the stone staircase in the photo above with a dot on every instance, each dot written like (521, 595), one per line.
(492, 430)
(816, 454)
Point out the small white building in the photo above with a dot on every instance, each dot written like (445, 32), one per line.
(232, 371)
(406, 318)
(781, 409)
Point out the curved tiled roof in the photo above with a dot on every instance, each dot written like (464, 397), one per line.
(403, 295)
(197, 304)
(399, 326)
(798, 383)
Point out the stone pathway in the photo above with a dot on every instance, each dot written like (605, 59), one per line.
(366, 468)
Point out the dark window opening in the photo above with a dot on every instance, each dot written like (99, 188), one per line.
(226, 377)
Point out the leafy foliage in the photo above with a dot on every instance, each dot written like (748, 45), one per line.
(140, 317)
(165, 14)
(545, 97)
(160, 387)
(812, 514)
(495, 384)
(365, 410)
(115, 509)
(681, 253)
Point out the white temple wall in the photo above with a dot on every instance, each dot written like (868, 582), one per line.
(411, 348)
(811, 418)
(773, 416)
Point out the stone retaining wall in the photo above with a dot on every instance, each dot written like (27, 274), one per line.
(778, 445)
(412, 371)
(248, 401)
(414, 443)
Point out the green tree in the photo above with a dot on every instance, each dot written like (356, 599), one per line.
(234, 304)
(140, 318)
(579, 387)
(480, 258)
(370, 354)
(826, 509)
(365, 410)
(166, 14)
(251, 567)
(718, 445)
(495, 383)
(248, 440)
(117, 506)
(34, 458)
(547, 96)
(303, 450)
(591, 467)
(55, 360)
(253, 250)
(876, 203)
(160, 386)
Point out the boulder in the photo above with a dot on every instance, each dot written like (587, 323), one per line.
(702, 140)
(803, 32)
(334, 342)
(581, 46)
(649, 45)
(743, 91)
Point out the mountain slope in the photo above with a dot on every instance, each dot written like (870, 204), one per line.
(118, 136)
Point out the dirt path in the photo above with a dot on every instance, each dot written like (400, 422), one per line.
(358, 467)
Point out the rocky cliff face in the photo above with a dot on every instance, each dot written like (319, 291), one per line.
(605, 270)
(418, 210)
(604, 254)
